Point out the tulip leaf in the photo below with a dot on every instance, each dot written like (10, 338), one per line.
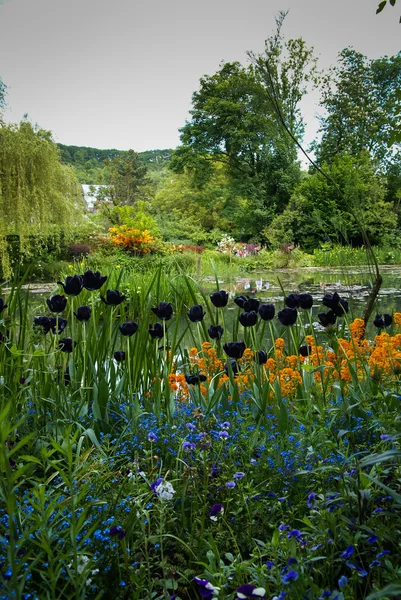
(381, 6)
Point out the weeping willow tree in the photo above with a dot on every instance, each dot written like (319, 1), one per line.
(38, 195)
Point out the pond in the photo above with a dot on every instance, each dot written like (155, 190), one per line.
(353, 283)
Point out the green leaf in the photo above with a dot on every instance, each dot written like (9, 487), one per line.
(381, 6)
(394, 589)
(392, 2)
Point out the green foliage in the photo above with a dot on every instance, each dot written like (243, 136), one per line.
(382, 5)
(38, 195)
(91, 164)
(362, 101)
(322, 210)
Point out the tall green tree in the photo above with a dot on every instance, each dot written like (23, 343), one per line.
(127, 178)
(234, 123)
(38, 195)
(362, 103)
(333, 208)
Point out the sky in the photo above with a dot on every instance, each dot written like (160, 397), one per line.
(121, 73)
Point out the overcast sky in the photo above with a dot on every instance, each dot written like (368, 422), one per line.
(120, 73)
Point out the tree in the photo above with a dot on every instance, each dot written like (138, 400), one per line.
(234, 123)
(127, 178)
(38, 195)
(333, 209)
(198, 214)
(362, 101)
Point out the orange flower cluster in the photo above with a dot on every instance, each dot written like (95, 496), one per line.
(132, 239)
(349, 360)
(178, 385)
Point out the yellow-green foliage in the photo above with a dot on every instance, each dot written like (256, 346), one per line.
(38, 195)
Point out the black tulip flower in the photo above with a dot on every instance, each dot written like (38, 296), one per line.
(58, 324)
(57, 303)
(331, 300)
(113, 298)
(219, 299)
(195, 379)
(73, 285)
(248, 319)
(328, 318)
(119, 355)
(240, 301)
(163, 311)
(287, 316)
(215, 332)
(292, 300)
(267, 312)
(261, 357)
(341, 308)
(2, 305)
(383, 320)
(44, 322)
(305, 301)
(93, 281)
(234, 349)
(304, 350)
(117, 531)
(251, 304)
(156, 331)
(83, 313)
(128, 328)
(196, 313)
(234, 367)
(65, 345)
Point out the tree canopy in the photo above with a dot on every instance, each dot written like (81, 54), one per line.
(362, 101)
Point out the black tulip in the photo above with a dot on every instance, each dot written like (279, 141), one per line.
(2, 305)
(113, 298)
(195, 379)
(57, 303)
(234, 349)
(196, 313)
(93, 281)
(248, 319)
(382, 320)
(73, 285)
(305, 301)
(292, 300)
(58, 324)
(328, 318)
(156, 331)
(119, 355)
(83, 313)
(267, 312)
(331, 300)
(234, 368)
(128, 328)
(163, 311)
(261, 357)
(240, 301)
(44, 322)
(251, 304)
(304, 350)
(215, 332)
(65, 345)
(341, 308)
(219, 299)
(287, 316)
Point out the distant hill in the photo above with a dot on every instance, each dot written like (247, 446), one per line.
(89, 163)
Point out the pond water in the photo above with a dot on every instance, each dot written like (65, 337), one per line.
(353, 283)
